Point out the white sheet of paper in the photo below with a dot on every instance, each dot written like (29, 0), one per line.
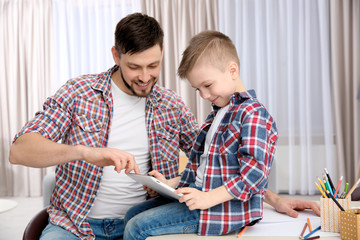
(277, 224)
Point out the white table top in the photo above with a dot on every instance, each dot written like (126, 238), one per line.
(297, 227)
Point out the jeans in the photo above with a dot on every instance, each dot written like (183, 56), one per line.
(160, 216)
(105, 229)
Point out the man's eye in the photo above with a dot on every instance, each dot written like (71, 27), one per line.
(208, 85)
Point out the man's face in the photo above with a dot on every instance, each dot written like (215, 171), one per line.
(139, 72)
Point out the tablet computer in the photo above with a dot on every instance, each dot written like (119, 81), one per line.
(155, 185)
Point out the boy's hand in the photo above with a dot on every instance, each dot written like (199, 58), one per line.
(151, 192)
(159, 177)
(194, 198)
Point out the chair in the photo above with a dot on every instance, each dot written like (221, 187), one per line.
(355, 196)
(36, 225)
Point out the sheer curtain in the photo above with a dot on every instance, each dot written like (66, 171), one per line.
(84, 34)
(44, 43)
(180, 21)
(345, 53)
(25, 82)
(284, 50)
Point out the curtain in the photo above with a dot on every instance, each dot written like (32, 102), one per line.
(84, 34)
(301, 57)
(43, 44)
(25, 83)
(180, 21)
(345, 55)
(284, 53)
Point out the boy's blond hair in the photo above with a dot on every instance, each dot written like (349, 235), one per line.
(212, 46)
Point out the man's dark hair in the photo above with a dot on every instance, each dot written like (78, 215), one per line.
(136, 33)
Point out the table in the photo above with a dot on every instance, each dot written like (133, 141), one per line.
(273, 236)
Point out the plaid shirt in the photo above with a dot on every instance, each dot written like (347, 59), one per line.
(80, 113)
(240, 156)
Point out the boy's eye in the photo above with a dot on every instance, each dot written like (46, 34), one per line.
(208, 85)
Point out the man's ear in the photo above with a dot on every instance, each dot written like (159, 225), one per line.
(115, 55)
(162, 52)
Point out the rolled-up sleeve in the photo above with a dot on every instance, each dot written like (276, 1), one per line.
(55, 118)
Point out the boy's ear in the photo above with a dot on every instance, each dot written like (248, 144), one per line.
(233, 69)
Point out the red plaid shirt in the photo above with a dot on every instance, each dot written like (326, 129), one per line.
(80, 113)
(239, 158)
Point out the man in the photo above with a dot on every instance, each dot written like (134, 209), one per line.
(101, 122)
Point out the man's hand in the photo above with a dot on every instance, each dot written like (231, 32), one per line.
(111, 156)
(290, 206)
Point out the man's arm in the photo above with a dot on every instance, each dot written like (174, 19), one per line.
(290, 206)
(34, 150)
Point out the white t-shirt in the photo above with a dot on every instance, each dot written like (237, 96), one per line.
(118, 192)
(209, 136)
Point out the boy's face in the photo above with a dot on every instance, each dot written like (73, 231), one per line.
(139, 72)
(213, 84)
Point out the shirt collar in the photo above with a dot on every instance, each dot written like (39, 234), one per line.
(238, 97)
(103, 83)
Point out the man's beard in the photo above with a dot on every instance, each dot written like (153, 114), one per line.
(133, 90)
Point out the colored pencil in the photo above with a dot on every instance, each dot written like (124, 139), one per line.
(322, 192)
(338, 186)
(353, 189)
(327, 184)
(241, 232)
(302, 232)
(322, 184)
(316, 237)
(330, 182)
(337, 203)
(346, 189)
(309, 224)
(310, 233)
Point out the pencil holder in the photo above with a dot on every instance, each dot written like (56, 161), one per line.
(330, 213)
(350, 224)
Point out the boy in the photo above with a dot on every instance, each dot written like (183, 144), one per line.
(226, 178)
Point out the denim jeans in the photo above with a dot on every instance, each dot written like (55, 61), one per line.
(160, 216)
(109, 229)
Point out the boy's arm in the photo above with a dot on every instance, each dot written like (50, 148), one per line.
(290, 206)
(196, 199)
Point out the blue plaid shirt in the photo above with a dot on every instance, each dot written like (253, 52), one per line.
(239, 158)
(80, 113)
